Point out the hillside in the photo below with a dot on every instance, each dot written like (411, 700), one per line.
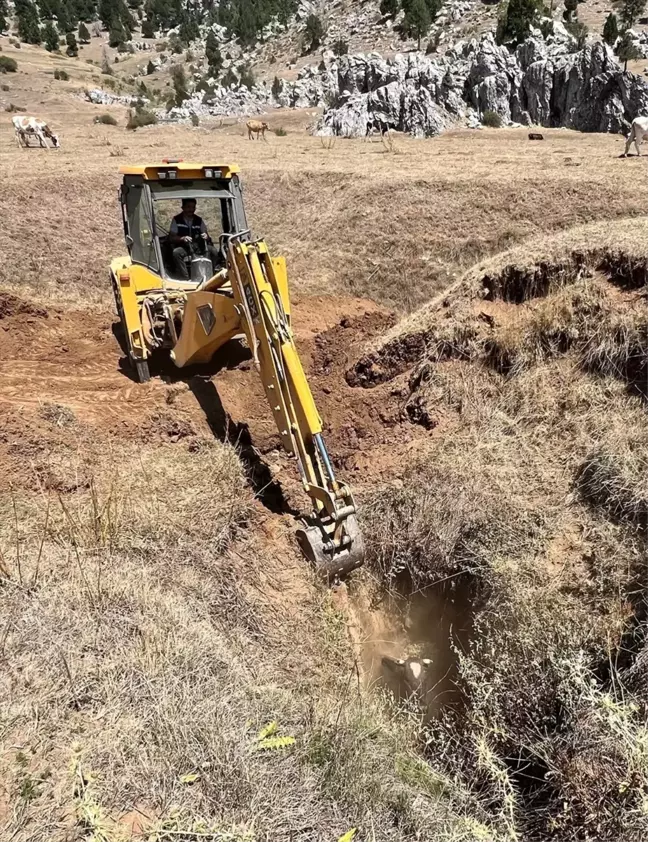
(471, 312)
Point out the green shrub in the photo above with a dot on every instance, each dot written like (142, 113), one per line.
(140, 117)
(492, 119)
(106, 120)
(61, 75)
(8, 65)
(195, 120)
(280, 132)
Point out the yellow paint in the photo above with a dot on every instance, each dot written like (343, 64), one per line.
(196, 346)
(183, 168)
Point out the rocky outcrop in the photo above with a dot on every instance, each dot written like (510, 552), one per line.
(544, 82)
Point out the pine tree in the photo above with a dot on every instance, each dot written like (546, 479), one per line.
(50, 37)
(416, 23)
(64, 16)
(630, 11)
(516, 20)
(3, 16)
(72, 48)
(389, 8)
(276, 87)
(434, 7)
(213, 54)
(48, 9)
(83, 34)
(108, 12)
(626, 50)
(611, 29)
(148, 28)
(117, 34)
(314, 32)
(571, 6)
(188, 30)
(150, 68)
(28, 22)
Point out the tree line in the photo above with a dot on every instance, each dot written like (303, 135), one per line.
(518, 16)
(243, 19)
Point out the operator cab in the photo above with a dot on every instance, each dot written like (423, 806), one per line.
(151, 197)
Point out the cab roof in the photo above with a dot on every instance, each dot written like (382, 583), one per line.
(184, 169)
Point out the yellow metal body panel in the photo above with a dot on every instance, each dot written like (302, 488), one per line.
(183, 168)
(123, 283)
(195, 344)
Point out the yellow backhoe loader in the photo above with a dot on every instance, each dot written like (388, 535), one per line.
(193, 281)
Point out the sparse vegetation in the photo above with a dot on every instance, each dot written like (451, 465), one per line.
(140, 117)
(72, 48)
(8, 65)
(61, 75)
(106, 120)
(180, 84)
(246, 77)
(492, 120)
(280, 131)
(340, 47)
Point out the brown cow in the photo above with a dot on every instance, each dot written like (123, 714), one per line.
(256, 127)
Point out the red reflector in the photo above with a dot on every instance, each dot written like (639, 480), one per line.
(171, 160)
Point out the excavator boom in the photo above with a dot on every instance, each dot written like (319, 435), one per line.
(331, 538)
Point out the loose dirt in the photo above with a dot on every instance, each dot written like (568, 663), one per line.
(57, 363)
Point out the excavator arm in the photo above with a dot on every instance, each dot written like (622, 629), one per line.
(330, 537)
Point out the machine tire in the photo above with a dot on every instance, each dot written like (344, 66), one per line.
(142, 370)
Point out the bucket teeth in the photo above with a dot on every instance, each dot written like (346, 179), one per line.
(335, 563)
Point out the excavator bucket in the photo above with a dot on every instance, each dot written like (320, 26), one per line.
(332, 563)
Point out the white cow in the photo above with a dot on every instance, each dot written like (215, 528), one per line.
(408, 678)
(28, 127)
(638, 132)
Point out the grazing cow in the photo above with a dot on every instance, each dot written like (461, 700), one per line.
(376, 123)
(408, 678)
(638, 132)
(28, 127)
(256, 127)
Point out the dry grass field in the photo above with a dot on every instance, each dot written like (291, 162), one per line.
(159, 632)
